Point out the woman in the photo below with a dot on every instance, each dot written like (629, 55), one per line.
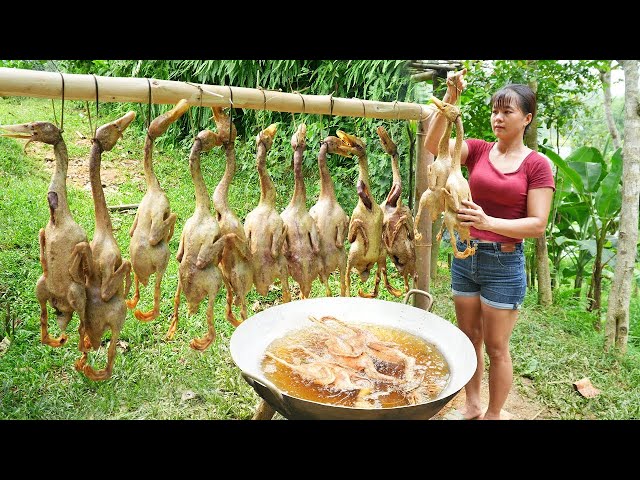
(512, 188)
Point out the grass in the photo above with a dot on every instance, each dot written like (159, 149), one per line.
(155, 379)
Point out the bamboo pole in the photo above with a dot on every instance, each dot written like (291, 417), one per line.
(31, 83)
(423, 247)
(423, 77)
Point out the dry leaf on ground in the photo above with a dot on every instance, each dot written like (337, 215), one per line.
(585, 388)
(4, 345)
(188, 395)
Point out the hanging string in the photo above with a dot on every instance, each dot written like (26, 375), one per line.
(86, 105)
(95, 80)
(149, 105)
(231, 109)
(198, 121)
(304, 107)
(55, 119)
(205, 90)
(62, 106)
(451, 82)
(421, 118)
(264, 106)
(330, 115)
(201, 89)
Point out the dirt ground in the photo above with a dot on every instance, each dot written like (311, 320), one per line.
(517, 406)
(113, 172)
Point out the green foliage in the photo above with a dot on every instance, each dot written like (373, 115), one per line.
(378, 80)
(562, 87)
(590, 127)
(554, 347)
(24, 64)
(585, 212)
(151, 375)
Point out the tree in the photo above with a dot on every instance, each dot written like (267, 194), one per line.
(605, 78)
(545, 296)
(617, 323)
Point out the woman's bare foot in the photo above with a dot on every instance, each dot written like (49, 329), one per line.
(471, 412)
(503, 415)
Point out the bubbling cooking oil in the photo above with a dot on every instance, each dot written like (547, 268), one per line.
(431, 369)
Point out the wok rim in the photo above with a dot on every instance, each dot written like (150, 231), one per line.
(258, 375)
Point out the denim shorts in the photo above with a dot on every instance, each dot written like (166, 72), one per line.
(498, 277)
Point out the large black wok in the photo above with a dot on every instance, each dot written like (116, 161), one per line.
(252, 337)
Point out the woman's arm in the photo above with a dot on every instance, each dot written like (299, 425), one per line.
(532, 226)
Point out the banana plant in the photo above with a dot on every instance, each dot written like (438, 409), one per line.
(585, 214)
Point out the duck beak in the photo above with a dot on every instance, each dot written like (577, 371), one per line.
(438, 103)
(162, 123)
(350, 143)
(346, 150)
(301, 132)
(19, 130)
(123, 122)
(339, 146)
(350, 140)
(386, 141)
(271, 130)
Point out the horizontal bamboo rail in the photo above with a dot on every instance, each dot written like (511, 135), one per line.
(30, 83)
(16, 82)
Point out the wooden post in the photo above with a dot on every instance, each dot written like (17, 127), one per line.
(423, 247)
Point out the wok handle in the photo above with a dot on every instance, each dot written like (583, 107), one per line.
(421, 292)
(265, 383)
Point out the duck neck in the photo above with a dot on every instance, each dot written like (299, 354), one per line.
(363, 174)
(326, 185)
(149, 176)
(394, 198)
(202, 197)
(299, 192)
(457, 148)
(221, 193)
(395, 168)
(267, 189)
(443, 145)
(57, 195)
(103, 220)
